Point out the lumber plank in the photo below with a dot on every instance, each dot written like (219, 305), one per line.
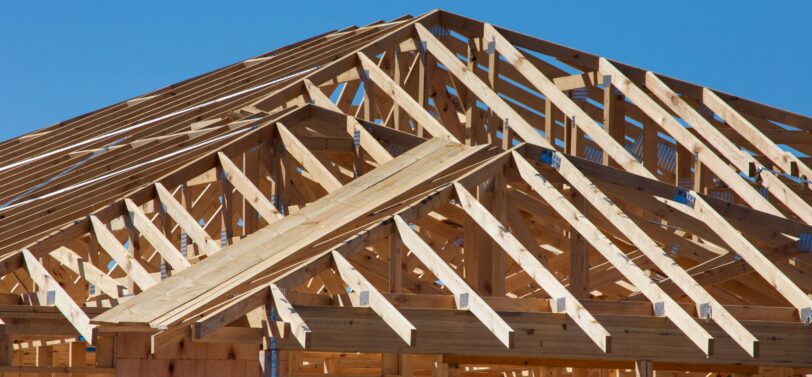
(370, 296)
(466, 298)
(123, 258)
(63, 302)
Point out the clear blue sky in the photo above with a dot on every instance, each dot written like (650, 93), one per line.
(60, 58)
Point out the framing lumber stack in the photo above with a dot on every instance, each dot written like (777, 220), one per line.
(431, 195)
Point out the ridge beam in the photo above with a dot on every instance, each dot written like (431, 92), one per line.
(63, 302)
(309, 161)
(686, 139)
(155, 237)
(663, 304)
(368, 295)
(511, 245)
(109, 243)
(741, 160)
(89, 272)
(403, 99)
(288, 314)
(366, 140)
(464, 296)
(249, 191)
(564, 103)
(185, 220)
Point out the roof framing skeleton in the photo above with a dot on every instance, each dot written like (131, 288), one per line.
(420, 192)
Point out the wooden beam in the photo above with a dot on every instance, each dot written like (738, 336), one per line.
(646, 245)
(746, 164)
(368, 142)
(643, 368)
(63, 302)
(755, 258)
(664, 305)
(368, 295)
(686, 139)
(310, 163)
(563, 102)
(123, 258)
(249, 191)
(785, 160)
(186, 221)
(563, 299)
(289, 315)
(404, 100)
(155, 237)
(466, 298)
(89, 272)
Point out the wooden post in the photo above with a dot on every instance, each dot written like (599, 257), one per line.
(395, 264)
(390, 364)
(227, 207)
(643, 368)
(77, 357)
(250, 216)
(439, 369)
(579, 255)
(614, 120)
(105, 351)
(6, 350)
(650, 145)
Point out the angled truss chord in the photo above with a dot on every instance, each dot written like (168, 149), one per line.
(123, 258)
(155, 237)
(688, 140)
(368, 295)
(89, 272)
(289, 315)
(367, 141)
(604, 245)
(561, 296)
(785, 160)
(403, 99)
(549, 89)
(755, 258)
(741, 160)
(248, 190)
(188, 223)
(465, 297)
(310, 163)
(72, 312)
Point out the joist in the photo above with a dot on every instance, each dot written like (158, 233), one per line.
(465, 297)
